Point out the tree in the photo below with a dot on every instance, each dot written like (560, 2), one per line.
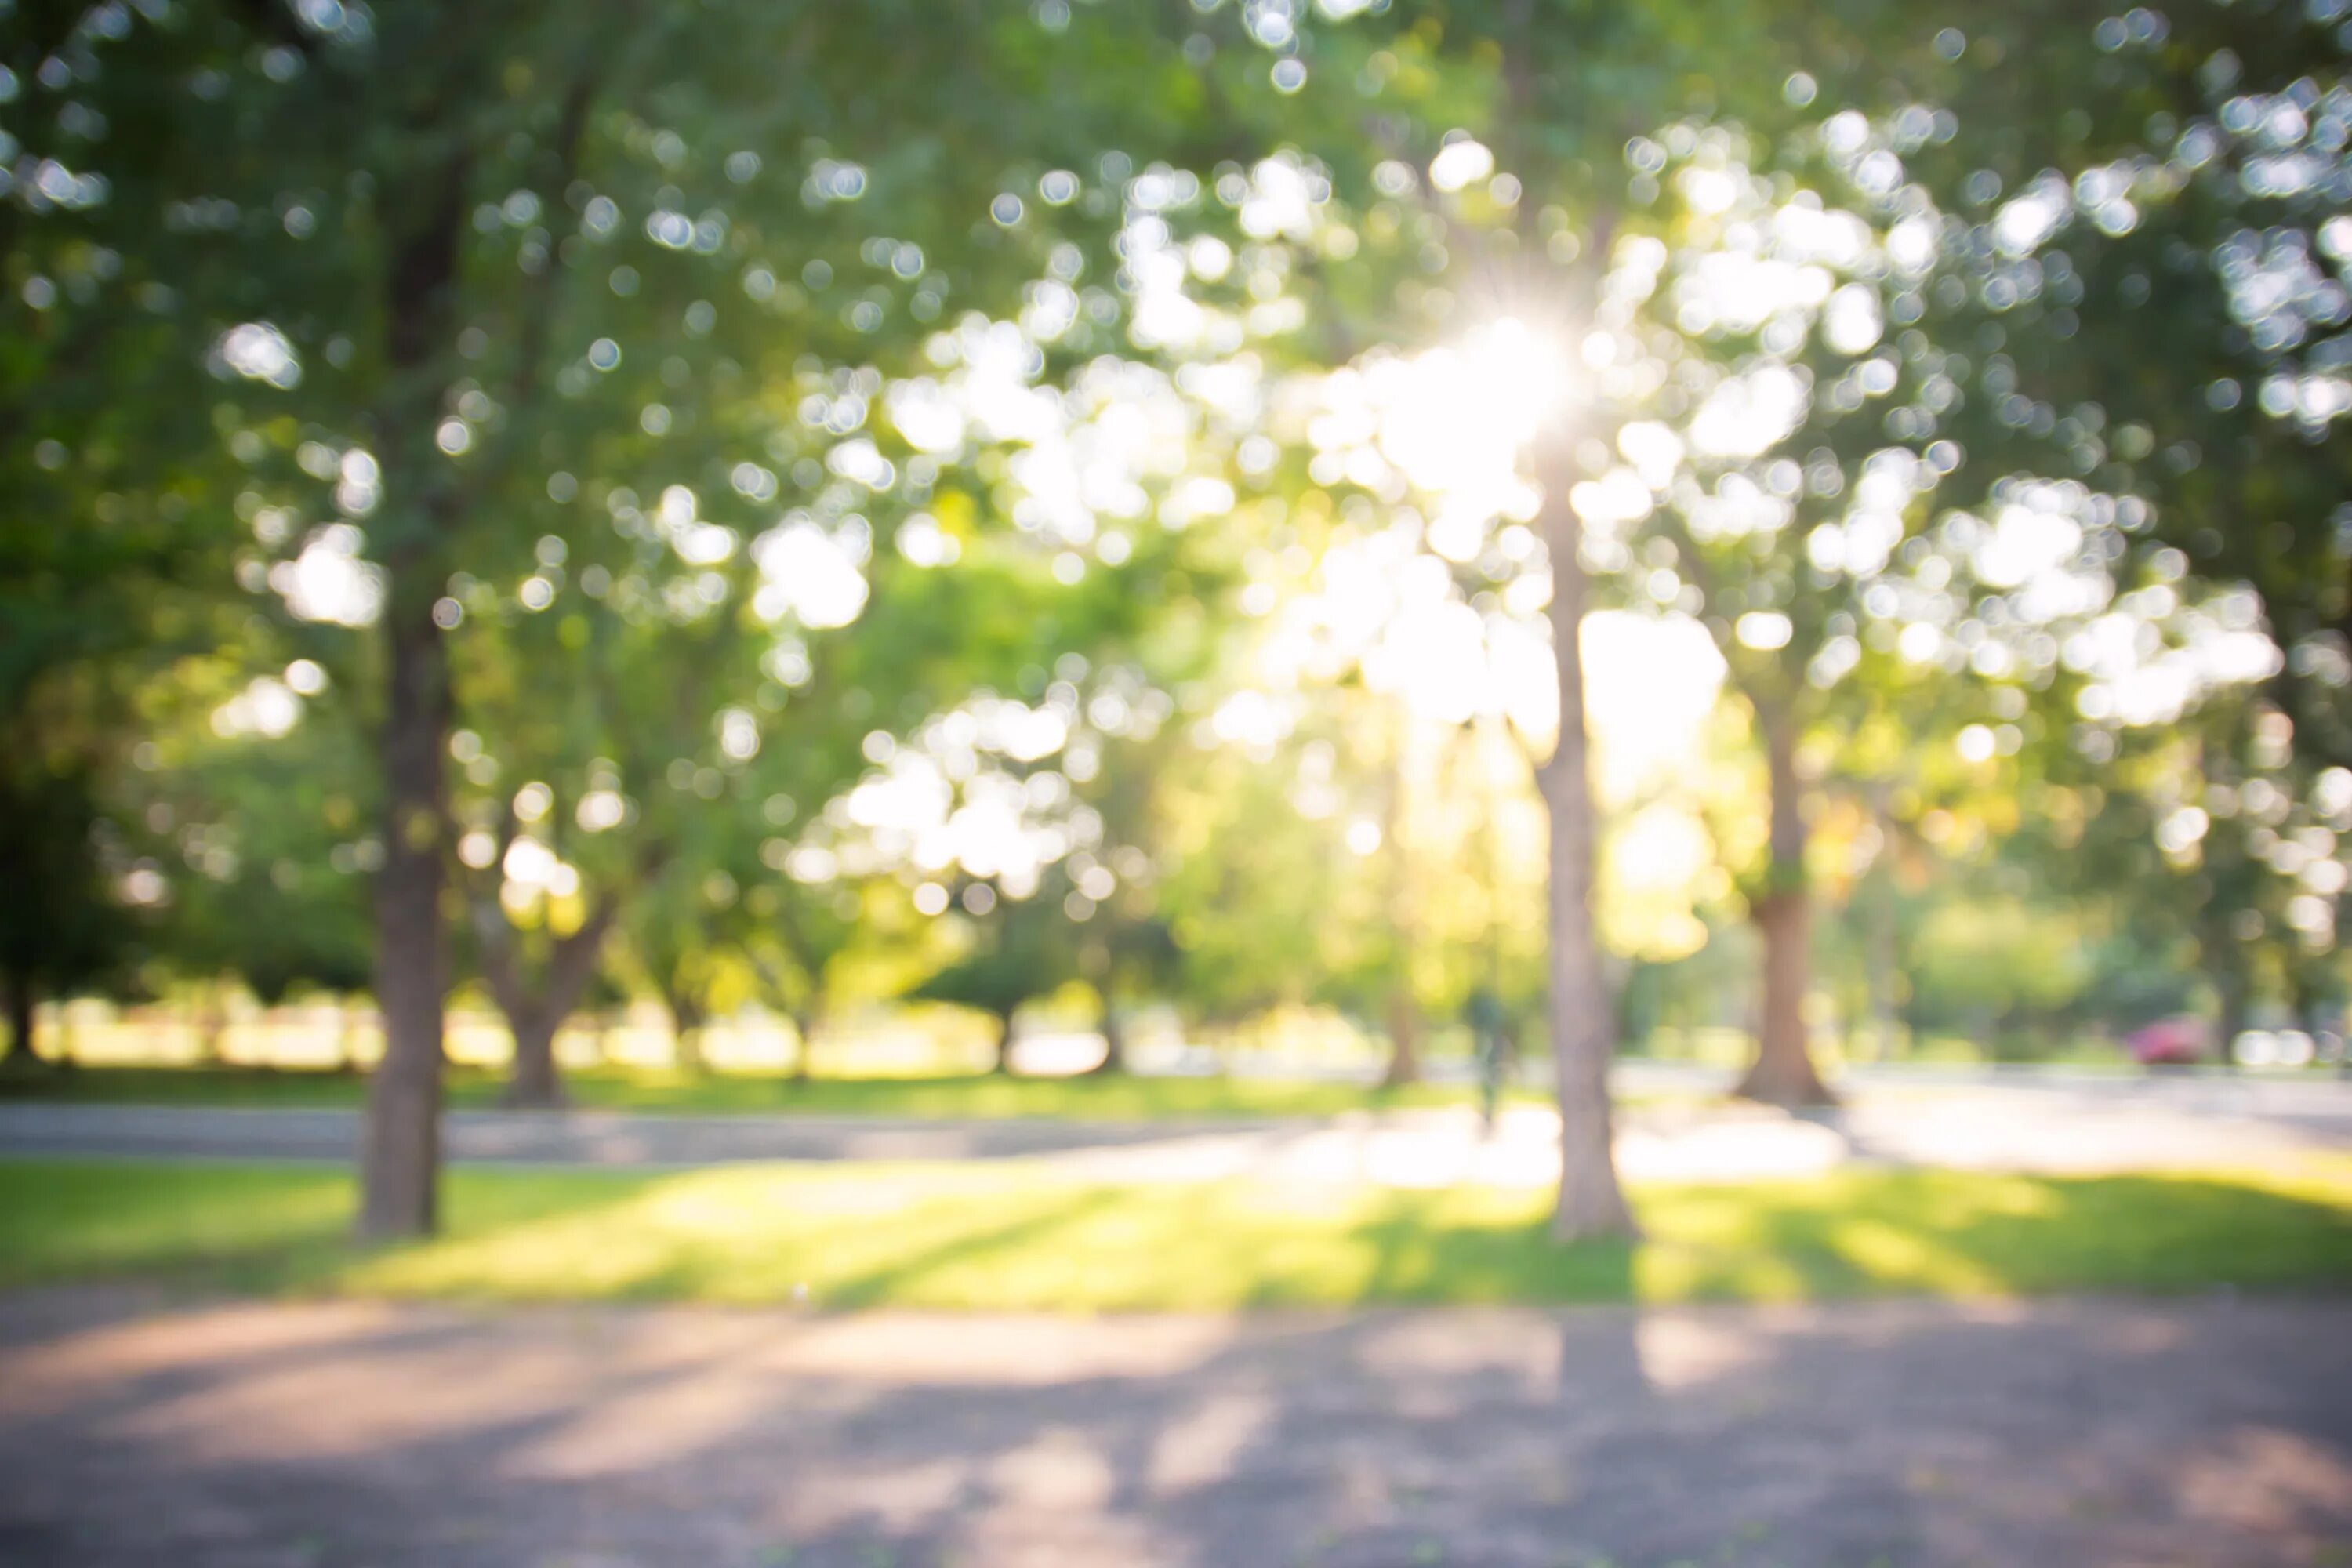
(2159, 289)
(2150, 283)
(1124, 946)
(1780, 467)
(1016, 957)
(1547, 100)
(497, 287)
(71, 930)
(108, 464)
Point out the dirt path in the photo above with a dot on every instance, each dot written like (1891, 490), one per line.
(2085, 1433)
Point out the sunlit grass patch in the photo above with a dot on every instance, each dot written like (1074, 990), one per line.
(1012, 1236)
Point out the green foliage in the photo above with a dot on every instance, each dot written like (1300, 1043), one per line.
(1995, 962)
(701, 427)
(260, 842)
(62, 927)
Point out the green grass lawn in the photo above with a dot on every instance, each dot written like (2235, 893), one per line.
(962, 1096)
(1006, 1236)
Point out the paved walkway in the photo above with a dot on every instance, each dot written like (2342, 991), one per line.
(2066, 1125)
(341, 1434)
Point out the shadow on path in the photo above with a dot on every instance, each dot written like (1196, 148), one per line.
(1921, 1434)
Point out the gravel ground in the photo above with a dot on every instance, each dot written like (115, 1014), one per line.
(138, 1430)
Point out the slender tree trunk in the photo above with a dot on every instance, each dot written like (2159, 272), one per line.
(805, 1047)
(1002, 1064)
(23, 999)
(1405, 1034)
(401, 1160)
(1783, 1071)
(1590, 1202)
(2232, 984)
(1882, 944)
(686, 1021)
(212, 1025)
(1114, 1060)
(1404, 1040)
(1883, 960)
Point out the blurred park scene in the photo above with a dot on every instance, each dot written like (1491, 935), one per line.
(1225, 782)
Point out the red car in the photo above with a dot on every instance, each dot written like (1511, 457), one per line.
(2179, 1041)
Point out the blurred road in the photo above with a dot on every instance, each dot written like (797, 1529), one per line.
(135, 1432)
(2050, 1123)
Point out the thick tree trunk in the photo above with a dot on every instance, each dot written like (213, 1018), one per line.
(534, 1083)
(1783, 1072)
(1590, 1203)
(535, 1015)
(1404, 1041)
(401, 1160)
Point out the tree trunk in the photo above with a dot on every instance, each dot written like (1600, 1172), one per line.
(1883, 960)
(1404, 1041)
(401, 1159)
(23, 999)
(534, 1084)
(804, 1047)
(1590, 1203)
(2232, 984)
(1404, 1036)
(1783, 1072)
(212, 1025)
(686, 1021)
(535, 1015)
(1002, 1064)
(1114, 1060)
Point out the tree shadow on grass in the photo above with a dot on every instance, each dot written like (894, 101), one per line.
(702, 1272)
(1421, 1260)
(744, 1235)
